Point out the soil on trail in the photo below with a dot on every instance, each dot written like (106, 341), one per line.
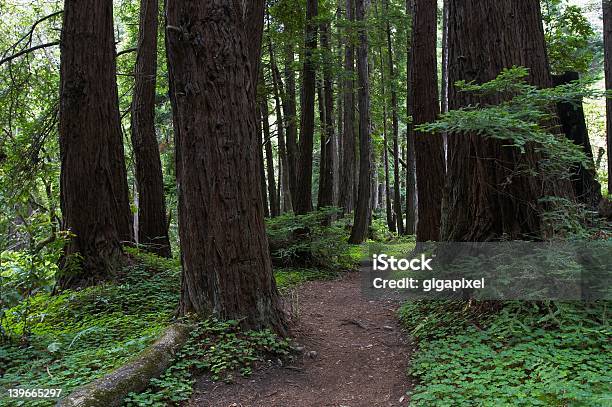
(354, 356)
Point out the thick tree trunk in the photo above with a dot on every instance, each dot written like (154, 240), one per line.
(607, 30)
(429, 148)
(347, 193)
(289, 108)
(152, 223)
(571, 115)
(411, 190)
(397, 199)
(94, 192)
(280, 129)
(328, 147)
(486, 198)
(227, 270)
(359, 231)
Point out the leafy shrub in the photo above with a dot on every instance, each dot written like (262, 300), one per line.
(310, 240)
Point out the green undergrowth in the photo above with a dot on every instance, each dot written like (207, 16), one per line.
(78, 336)
(218, 349)
(513, 353)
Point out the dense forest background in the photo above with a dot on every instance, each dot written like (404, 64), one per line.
(239, 148)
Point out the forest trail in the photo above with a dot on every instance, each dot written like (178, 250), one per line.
(361, 356)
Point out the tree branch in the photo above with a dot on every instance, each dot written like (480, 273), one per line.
(27, 51)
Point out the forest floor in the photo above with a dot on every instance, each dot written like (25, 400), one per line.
(355, 355)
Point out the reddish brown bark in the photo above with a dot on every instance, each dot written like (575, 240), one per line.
(328, 146)
(397, 198)
(94, 192)
(429, 148)
(303, 198)
(226, 264)
(348, 159)
(152, 222)
(487, 198)
(359, 231)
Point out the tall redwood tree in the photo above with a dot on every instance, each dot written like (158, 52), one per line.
(226, 264)
(348, 158)
(359, 231)
(94, 191)
(607, 31)
(152, 223)
(487, 198)
(429, 149)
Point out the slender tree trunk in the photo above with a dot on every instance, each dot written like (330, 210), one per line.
(607, 29)
(303, 198)
(486, 198)
(94, 193)
(391, 224)
(444, 79)
(411, 190)
(397, 200)
(429, 149)
(289, 107)
(260, 162)
(322, 152)
(328, 150)
(348, 138)
(152, 223)
(227, 270)
(359, 231)
(339, 112)
(274, 207)
(280, 128)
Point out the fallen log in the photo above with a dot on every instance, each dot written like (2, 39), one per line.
(110, 390)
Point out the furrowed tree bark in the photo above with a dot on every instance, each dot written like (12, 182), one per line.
(328, 147)
(397, 199)
(278, 89)
(94, 192)
(411, 188)
(347, 193)
(573, 123)
(289, 107)
(227, 270)
(429, 148)
(607, 33)
(303, 199)
(359, 231)
(486, 198)
(152, 223)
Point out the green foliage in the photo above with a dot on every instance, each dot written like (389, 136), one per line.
(569, 38)
(514, 353)
(310, 240)
(287, 278)
(78, 336)
(519, 118)
(220, 349)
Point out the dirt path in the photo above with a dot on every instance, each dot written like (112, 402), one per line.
(354, 356)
